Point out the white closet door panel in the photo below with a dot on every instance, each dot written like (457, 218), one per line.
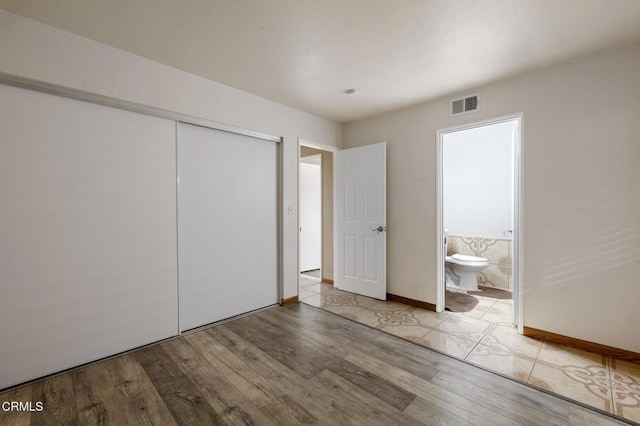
(87, 232)
(227, 222)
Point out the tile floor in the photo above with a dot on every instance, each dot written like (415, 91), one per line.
(485, 337)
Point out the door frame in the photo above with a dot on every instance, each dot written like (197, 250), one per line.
(517, 262)
(322, 147)
(300, 161)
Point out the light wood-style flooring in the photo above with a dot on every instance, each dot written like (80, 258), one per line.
(289, 365)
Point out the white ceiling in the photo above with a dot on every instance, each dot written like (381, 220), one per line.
(305, 53)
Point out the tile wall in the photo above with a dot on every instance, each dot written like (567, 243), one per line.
(497, 250)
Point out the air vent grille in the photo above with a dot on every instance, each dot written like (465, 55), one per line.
(457, 107)
(460, 106)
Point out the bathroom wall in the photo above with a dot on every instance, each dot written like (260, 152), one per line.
(498, 251)
(581, 192)
(477, 172)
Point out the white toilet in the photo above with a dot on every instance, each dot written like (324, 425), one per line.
(461, 271)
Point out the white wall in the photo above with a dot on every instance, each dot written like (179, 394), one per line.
(34, 50)
(477, 185)
(581, 174)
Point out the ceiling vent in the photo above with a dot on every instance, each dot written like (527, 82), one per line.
(461, 106)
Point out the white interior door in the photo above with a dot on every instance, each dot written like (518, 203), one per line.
(360, 243)
(310, 213)
(227, 224)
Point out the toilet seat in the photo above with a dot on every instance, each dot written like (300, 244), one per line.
(462, 259)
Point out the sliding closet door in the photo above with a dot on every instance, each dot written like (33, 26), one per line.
(87, 232)
(227, 222)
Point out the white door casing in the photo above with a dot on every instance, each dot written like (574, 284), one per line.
(517, 274)
(360, 236)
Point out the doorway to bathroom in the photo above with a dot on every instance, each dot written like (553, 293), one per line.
(479, 220)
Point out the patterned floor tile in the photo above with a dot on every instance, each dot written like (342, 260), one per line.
(484, 305)
(506, 338)
(339, 298)
(368, 317)
(382, 305)
(306, 281)
(625, 384)
(409, 332)
(574, 373)
(466, 327)
(399, 318)
(320, 288)
(313, 300)
(430, 318)
(505, 362)
(589, 384)
(500, 312)
(343, 310)
(365, 301)
(558, 355)
(448, 343)
(305, 293)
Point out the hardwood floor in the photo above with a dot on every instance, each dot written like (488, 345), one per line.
(289, 365)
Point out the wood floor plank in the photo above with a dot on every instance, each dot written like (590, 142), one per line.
(429, 413)
(393, 350)
(226, 399)
(501, 395)
(182, 398)
(318, 401)
(286, 410)
(440, 396)
(298, 355)
(514, 410)
(384, 390)
(12, 418)
(580, 416)
(137, 393)
(256, 388)
(58, 395)
(271, 398)
(370, 408)
(96, 397)
(291, 384)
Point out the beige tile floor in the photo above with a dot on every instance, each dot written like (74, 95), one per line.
(487, 338)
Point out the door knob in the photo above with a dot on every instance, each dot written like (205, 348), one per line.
(380, 229)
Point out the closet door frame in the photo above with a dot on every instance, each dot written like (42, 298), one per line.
(85, 96)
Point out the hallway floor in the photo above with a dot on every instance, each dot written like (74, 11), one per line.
(485, 337)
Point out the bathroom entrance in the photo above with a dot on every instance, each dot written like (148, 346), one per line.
(478, 220)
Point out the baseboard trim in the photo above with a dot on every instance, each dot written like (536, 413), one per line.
(327, 281)
(412, 302)
(584, 345)
(289, 301)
